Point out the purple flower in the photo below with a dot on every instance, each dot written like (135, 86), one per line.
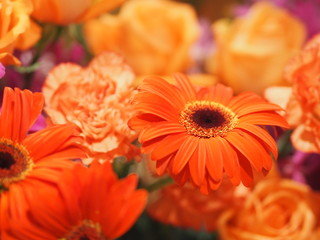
(302, 167)
(2, 70)
(203, 48)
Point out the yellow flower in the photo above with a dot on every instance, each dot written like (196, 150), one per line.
(71, 11)
(16, 29)
(252, 51)
(154, 36)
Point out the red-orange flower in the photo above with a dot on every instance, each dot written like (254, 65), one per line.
(29, 162)
(185, 207)
(198, 136)
(91, 204)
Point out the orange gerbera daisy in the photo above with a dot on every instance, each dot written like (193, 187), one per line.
(198, 136)
(29, 162)
(91, 204)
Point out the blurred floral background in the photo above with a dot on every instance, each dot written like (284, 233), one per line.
(160, 119)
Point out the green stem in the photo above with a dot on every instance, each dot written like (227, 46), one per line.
(159, 184)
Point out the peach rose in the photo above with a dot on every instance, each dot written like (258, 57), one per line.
(71, 11)
(154, 36)
(277, 209)
(252, 51)
(302, 104)
(97, 99)
(17, 30)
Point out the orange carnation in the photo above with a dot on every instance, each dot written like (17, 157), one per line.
(71, 11)
(302, 99)
(154, 36)
(303, 111)
(29, 162)
(253, 50)
(91, 204)
(17, 29)
(197, 136)
(97, 100)
(185, 207)
(277, 209)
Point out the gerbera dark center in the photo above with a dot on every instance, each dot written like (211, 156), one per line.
(84, 237)
(6, 160)
(208, 118)
(87, 230)
(15, 162)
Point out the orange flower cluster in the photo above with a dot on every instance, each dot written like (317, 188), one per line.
(91, 204)
(154, 36)
(185, 207)
(276, 209)
(65, 199)
(198, 136)
(97, 100)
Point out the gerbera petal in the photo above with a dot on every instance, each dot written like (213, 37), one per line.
(247, 147)
(264, 118)
(168, 145)
(184, 154)
(256, 107)
(263, 135)
(186, 87)
(246, 173)
(197, 163)
(182, 177)
(230, 160)
(158, 110)
(160, 129)
(59, 137)
(262, 153)
(214, 158)
(143, 120)
(156, 101)
(163, 89)
(243, 99)
(20, 110)
(220, 94)
(162, 165)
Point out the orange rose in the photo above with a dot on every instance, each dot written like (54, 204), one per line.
(277, 209)
(252, 51)
(97, 99)
(17, 30)
(71, 11)
(154, 36)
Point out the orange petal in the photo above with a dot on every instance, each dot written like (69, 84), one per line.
(197, 163)
(163, 89)
(214, 158)
(184, 153)
(160, 129)
(186, 87)
(248, 147)
(265, 118)
(168, 145)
